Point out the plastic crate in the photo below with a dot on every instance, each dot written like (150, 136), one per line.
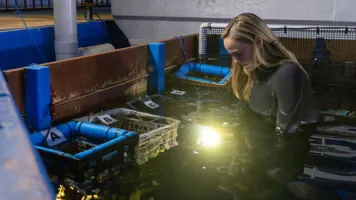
(337, 131)
(83, 154)
(156, 133)
(211, 71)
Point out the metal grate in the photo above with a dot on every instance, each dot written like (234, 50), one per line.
(327, 53)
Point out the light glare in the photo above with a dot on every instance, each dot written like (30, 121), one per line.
(208, 136)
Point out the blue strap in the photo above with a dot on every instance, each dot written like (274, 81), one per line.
(183, 46)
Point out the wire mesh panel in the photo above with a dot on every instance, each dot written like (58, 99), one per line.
(327, 53)
(212, 50)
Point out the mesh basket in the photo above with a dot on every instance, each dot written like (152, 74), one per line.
(340, 131)
(62, 159)
(156, 133)
(199, 78)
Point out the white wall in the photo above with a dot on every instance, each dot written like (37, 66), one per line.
(154, 20)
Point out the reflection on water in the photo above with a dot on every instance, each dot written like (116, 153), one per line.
(217, 157)
(263, 164)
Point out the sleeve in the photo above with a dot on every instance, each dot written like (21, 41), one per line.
(289, 91)
(248, 118)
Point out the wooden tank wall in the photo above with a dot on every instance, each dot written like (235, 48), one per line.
(90, 83)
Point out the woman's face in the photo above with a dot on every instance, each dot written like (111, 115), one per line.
(241, 52)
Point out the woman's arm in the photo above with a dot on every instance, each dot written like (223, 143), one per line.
(289, 91)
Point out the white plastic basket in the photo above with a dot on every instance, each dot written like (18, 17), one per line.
(156, 133)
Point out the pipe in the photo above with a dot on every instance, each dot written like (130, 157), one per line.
(138, 41)
(67, 130)
(228, 75)
(86, 129)
(315, 173)
(55, 152)
(211, 69)
(223, 25)
(103, 147)
(97, 131)
(101, 48)
(65, 29)
(203, 68)
(203, 39)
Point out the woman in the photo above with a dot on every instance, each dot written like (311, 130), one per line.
(268, 76)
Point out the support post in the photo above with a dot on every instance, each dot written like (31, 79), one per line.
(65, 28)
(37, 97)
(156, 75)
(23, 175)
(89, 10)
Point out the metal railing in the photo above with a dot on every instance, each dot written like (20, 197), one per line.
(8, 5)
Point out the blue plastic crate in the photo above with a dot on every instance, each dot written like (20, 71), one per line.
(81, 149)
(204, 74)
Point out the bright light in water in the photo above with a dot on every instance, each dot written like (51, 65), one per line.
(208, 136)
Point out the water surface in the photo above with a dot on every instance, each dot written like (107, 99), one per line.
(246, 163)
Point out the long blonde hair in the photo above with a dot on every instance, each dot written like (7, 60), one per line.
(246, 27)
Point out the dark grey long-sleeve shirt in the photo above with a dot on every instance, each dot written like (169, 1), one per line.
(284, 94)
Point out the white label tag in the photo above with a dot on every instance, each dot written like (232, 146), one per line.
(106, 119)
(151, 104)
(177, 92)
(54, 137)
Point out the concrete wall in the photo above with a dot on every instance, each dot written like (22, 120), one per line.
(147, 20)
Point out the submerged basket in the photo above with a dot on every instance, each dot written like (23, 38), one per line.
(156, 133)
(80, 151)
(340, 131)
(211, 71)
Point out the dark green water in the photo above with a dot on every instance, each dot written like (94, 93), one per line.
(246, 164)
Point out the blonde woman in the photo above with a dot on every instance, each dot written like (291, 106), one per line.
(267, 75)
